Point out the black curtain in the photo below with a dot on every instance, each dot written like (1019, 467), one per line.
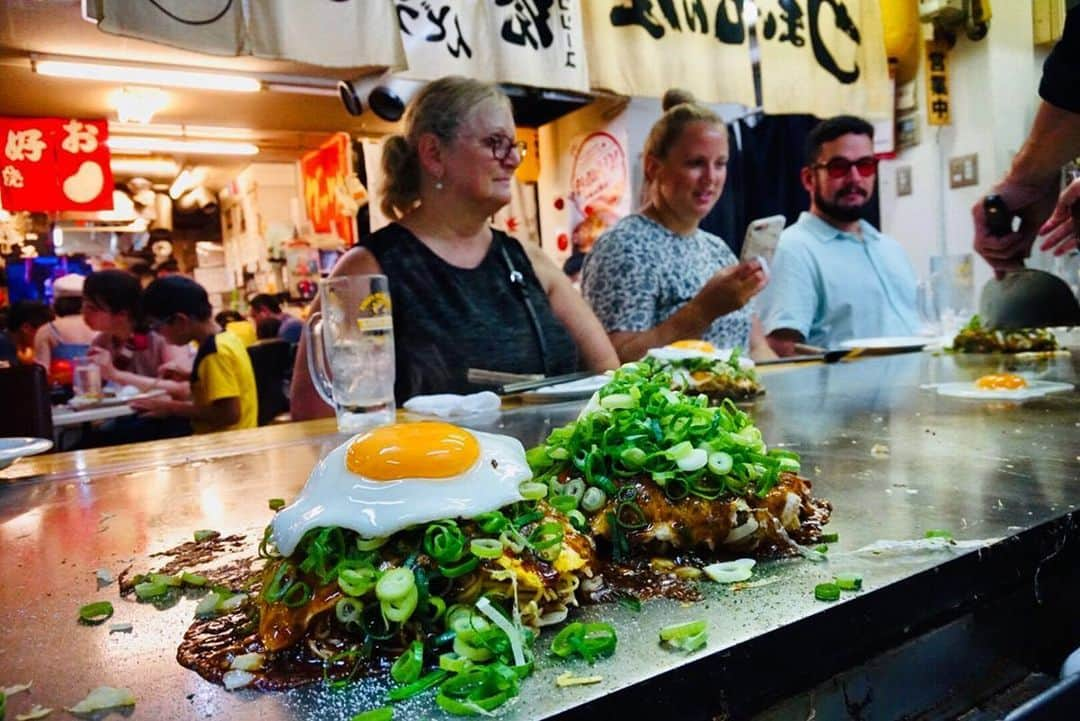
(763, 176)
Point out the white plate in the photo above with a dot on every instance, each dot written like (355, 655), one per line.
(569, 391)
(12, 449)
(887, 342)
(78, 404)
(1034, 390)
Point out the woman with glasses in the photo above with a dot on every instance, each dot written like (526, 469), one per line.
(835, 276)
(464, 295)
(655, 277)
(128, 351)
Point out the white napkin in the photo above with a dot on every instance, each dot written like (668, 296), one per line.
(447, 405)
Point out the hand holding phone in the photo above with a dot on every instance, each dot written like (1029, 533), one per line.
(762, 237)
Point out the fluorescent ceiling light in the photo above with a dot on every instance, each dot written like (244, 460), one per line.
(142, 75)
(181, 131)
(302, 89)
(147, 167)
(141, 144)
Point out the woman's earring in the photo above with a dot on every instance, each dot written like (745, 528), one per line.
(438, 185)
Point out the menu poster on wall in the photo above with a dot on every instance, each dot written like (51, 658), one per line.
(54, 164)
(823, 58)
(324, 174)
(645, 48)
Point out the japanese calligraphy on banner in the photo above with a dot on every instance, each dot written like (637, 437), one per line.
(823, 57)
(937, 83)
(324, 172)
(527, 42)
(52, 164)
(641, 47)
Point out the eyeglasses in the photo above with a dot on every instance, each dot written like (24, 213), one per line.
(501, 146)
(840, 167)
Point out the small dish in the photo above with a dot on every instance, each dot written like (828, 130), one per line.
(12, 449)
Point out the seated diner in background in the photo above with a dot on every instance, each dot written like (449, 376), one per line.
(126, 350)
(223, 393)
(454, 304)
(24, 318)
(656, 277)
(835, 277)
(67, 336)
(266, 307)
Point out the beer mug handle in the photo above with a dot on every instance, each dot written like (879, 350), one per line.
(316, 359)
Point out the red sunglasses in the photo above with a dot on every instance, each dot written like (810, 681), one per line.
(840, 167)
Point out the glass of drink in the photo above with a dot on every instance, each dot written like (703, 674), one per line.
(350, 350)
(86, 379)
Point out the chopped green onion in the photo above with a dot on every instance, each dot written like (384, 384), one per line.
(617, 400)
(830, 537)
(577, 519)
(546, 535)
(492, 522)
(299, 594)
(165, 578)
(444, 542)
(486, 547)
(192, 579)
(395, 584)
(419, 686)
(407, 667)
(849, 581)
(276, 504)
(692, 461)
(454, 663)
(730, 572)
(356, 581)
(208, 605)
(531, 491)
(150, 589)
(400, 609)
(827, 592)
(631, 602)
(720, 463)
(383, 713)
(95, 613)
(564, 503)
(204, 534)
(680, 450)
(370, 544)
(512, 632)
(348, 610)
(526, 518)
(466, 566)
(589, 640)
(939, 533)
(821, 548)
(688, 637)
(630, 517)
(593, 500)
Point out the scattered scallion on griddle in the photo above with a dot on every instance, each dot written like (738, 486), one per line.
(95, 613)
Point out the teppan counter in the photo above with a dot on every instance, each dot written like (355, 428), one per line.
(937, 625)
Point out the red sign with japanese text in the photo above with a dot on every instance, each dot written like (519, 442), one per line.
(53, 164)
(325, 171)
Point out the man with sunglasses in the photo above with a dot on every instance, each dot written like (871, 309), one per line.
(835, 276)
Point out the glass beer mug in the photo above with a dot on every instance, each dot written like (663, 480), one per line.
(350, 350)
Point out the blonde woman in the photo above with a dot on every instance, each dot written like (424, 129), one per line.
(655, 277)
(454, 304)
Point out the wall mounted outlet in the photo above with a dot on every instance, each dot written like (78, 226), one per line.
(903, 180)
(964, 171)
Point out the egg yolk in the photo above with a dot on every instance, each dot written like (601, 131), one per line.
(699, 345)
(1001, 382)
(430, 449)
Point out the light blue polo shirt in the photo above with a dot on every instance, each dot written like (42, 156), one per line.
(832, 286)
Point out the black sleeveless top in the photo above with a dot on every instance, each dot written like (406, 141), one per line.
(449, 319)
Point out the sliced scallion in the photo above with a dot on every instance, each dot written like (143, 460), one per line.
(95, 613)
(827, 592)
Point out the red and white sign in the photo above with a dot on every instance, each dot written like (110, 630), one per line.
(325, 171)
(53, 164)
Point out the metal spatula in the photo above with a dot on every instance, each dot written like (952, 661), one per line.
(1024, 297)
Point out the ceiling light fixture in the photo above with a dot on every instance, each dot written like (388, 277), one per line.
(146, 167)
(146, 75)
(303, 89)
(142, 144)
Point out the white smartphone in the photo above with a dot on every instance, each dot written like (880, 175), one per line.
(762, 237)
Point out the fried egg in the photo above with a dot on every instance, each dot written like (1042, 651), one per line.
(396, 476)
(684, 350)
